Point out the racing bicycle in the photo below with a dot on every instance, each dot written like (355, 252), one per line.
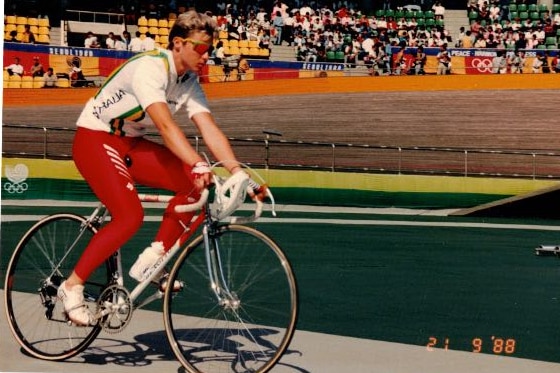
(235, 309)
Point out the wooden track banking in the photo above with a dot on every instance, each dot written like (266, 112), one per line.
(497, 111)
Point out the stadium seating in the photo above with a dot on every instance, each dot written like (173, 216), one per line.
(38, 82)
(38, 26)
(26, 81)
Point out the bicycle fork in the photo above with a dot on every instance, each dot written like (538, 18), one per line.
(225, 297)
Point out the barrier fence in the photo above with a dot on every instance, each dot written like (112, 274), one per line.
(267, 152)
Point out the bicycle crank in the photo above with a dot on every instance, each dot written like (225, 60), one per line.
(114, 309)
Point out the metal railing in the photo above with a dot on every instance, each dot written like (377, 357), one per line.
(269, 152)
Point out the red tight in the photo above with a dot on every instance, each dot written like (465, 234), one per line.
(100, 158)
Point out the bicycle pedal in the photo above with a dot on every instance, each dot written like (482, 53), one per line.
(162, 285)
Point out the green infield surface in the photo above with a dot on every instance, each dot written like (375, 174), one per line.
(420, 279)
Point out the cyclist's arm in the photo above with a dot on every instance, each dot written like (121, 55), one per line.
(173, 137)
(216, 141)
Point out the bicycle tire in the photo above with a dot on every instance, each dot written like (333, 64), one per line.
(208, 337)
(35, 317)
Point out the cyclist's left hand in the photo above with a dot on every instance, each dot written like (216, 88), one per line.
(202, 175)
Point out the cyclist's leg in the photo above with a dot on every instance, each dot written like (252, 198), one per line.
(156, 166)
(99, 157)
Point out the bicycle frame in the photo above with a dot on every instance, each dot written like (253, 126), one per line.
(214, 265)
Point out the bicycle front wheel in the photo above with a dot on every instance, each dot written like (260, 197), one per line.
(43, 258)
(238, 309)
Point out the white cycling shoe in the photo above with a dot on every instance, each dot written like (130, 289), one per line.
(74, 305)
(140, 270)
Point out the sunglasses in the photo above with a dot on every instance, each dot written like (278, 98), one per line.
(199, 47)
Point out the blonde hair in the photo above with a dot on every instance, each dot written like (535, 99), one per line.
(190, 22)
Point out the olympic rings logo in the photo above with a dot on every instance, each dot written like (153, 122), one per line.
(18, 188)
(16, 175)
(482, 65)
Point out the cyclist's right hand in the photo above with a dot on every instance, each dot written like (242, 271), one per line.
(257, 191)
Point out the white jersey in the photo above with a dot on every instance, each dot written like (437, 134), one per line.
(119, 105)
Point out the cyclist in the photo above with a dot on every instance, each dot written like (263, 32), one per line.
(111, 154)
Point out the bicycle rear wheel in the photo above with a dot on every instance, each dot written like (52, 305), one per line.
(43, 258)
(250, 328)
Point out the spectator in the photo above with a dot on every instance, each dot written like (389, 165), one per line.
(37, 68)
(521, 43)
(148, 43)
(444, 61)
(120, 45)
(278, 23)
(467, 41)
(110, 41)
(50, 79)
(91, 41)
(135, 43)
(420, 61)
(545, 68)
(518, 62)
(439, 10)
(77, 78)
(499, 63)
(13, 37)
(556, 63)
(16, 68)
(126, 39)
(537, 64)
(219, 54)
(28, 36)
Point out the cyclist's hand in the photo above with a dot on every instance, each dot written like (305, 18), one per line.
(202, 175)
(257, 191)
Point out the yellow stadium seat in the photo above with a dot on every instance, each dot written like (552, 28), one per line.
(20, 28)
(21, 20)
(243, 43)
(253, 44)
(63, 83)
(27, 82)
(43, 39)
(226, 50)
(234, 50)
(6, 76)
(44, 22)
(34, 29)
(152, 22)
(19, 36)
(153, 30)
(170, 23)
(163, 31)
(43, 30)
(244, 51)
(234, 43)
(254, 52)
(265, 52)
(38, 82)
(225, 42)
(14, 81)
(222, 34)
(32, 21)
(142, 22)
(142, 29)
(11, 20)
(162, 23)
(164, 40)
(10, 27)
